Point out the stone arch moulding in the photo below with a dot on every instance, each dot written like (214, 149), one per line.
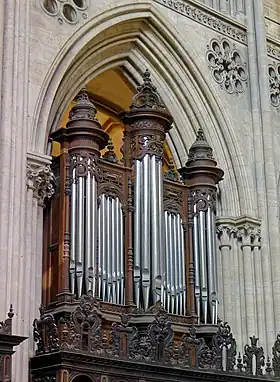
(135, 36)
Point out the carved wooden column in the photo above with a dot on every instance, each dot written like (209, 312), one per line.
(146, 125)
(81, 142)
(201, 176)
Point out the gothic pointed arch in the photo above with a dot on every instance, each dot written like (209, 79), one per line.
(143, 35)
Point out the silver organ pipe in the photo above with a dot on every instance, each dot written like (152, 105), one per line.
(203, 265)
(94, 226)
(205, 262)
(137, 231)
(120, 264)
(111, 250)
(174, 264)
(80, 235)
(149, 233)
(83, 248)
(146, 252)
(88, 233)
(161, 228)
(196, 262)
(73, 232)
(156, 269)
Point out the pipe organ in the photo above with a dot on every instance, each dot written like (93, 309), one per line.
(124, 230)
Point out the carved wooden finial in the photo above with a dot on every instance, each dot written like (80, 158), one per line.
(147, 96)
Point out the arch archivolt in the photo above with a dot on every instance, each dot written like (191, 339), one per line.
(136, 36)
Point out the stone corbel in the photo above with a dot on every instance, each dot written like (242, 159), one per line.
(39, 177)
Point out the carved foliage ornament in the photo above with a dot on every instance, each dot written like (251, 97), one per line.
(218, 23)
(86, 331)
(274, 83)
(65, 10)
(42, 180)
(227, 66)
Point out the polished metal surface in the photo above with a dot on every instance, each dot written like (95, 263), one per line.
(80, 236)
(196, 263)
(137, 230)
(145, 224)
(203, 265)
(73, 233)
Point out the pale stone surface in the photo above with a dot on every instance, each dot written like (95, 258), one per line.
(43, 66)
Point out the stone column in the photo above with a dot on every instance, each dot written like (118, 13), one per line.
(40, 185)
(245, 235)
(239, 272)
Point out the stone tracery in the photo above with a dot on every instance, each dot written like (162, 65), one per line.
(227, 67)
(274, 84)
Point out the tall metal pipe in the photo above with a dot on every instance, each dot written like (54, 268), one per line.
(161, 228)
(203, 265)
(146, 267)
(167, 269)
(211, 266)
(73, 233)
(196, 263)
(155, 254)
(80, 236)
(100, 248)
(121, 262)
(88, 233)
(137, 231)
(94, 228)
(183, 275)
(109, 238)
(116, 256)
(104, 249)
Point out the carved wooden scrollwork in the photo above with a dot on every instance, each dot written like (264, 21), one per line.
(203, 199)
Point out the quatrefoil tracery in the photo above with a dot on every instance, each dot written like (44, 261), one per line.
(65, 10)
(226, 66)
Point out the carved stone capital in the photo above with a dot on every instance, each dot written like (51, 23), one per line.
(245, 229)
(39, 177)
(225, 233)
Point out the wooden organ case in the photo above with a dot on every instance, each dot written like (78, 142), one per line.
(129, 262)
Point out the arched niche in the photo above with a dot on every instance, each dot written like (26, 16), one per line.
(133, 37)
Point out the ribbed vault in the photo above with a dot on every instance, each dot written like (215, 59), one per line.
(133, 37)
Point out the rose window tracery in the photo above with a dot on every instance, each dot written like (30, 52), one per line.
(65, 10)
(227, 67)
(274, 83)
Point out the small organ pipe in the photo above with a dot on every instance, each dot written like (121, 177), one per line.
(180, 263)
(196, 263)
(210, 264)
(94, 233)
(171, 262)
(167, 253)
(88, 233)
(156, 277)
(203, 268)
(108, 254)
(122, 285)
(117, 257)
(175, 262)
(183, 277)
(161, 227)
(73, 232)
(137, 231)
(104, 249)
(100, 247)
(113, 253)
